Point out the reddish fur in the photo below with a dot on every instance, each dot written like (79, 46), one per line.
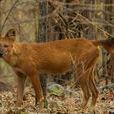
(28, 59)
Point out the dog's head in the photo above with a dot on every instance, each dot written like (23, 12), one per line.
(6, 42)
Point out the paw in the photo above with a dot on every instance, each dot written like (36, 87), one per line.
(83, 106)
(19, 104)
(41, 103)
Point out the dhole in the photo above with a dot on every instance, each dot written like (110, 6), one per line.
(57, 57)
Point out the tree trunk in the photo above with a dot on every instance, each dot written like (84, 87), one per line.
(110, 60)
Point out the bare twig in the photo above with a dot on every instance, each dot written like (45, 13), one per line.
(87, 20)
(8, 15)
(56, 2)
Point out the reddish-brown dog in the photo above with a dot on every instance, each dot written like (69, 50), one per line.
(58, 57)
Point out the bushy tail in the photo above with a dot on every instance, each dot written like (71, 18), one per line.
(98, 42)
(108, 44)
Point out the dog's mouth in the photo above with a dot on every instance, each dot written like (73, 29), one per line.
(1, 55)
(1, 52)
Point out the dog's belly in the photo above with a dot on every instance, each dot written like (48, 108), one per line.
(55, 68)
(55, 65)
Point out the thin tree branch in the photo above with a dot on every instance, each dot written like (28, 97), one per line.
(8, 15)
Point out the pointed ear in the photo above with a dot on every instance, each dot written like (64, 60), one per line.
(11, 34)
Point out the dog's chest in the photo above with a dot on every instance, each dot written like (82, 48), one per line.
(11, 60)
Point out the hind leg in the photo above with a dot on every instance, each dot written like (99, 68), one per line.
(93, 89)
(83, 80)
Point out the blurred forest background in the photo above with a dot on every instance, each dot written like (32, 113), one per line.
(48, 20)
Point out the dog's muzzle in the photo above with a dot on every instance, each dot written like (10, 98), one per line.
(1, 52)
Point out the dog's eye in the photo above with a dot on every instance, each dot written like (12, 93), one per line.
(5, 46)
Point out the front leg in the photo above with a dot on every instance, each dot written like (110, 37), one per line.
(37, 87)
(21, 78)
(43, 81)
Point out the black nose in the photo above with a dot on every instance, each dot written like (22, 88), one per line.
(1, 52)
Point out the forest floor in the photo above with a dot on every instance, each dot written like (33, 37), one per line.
(65, 104)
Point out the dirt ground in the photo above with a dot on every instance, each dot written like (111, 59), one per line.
(66, 104)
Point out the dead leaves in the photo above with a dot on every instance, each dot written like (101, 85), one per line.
(70, 103)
